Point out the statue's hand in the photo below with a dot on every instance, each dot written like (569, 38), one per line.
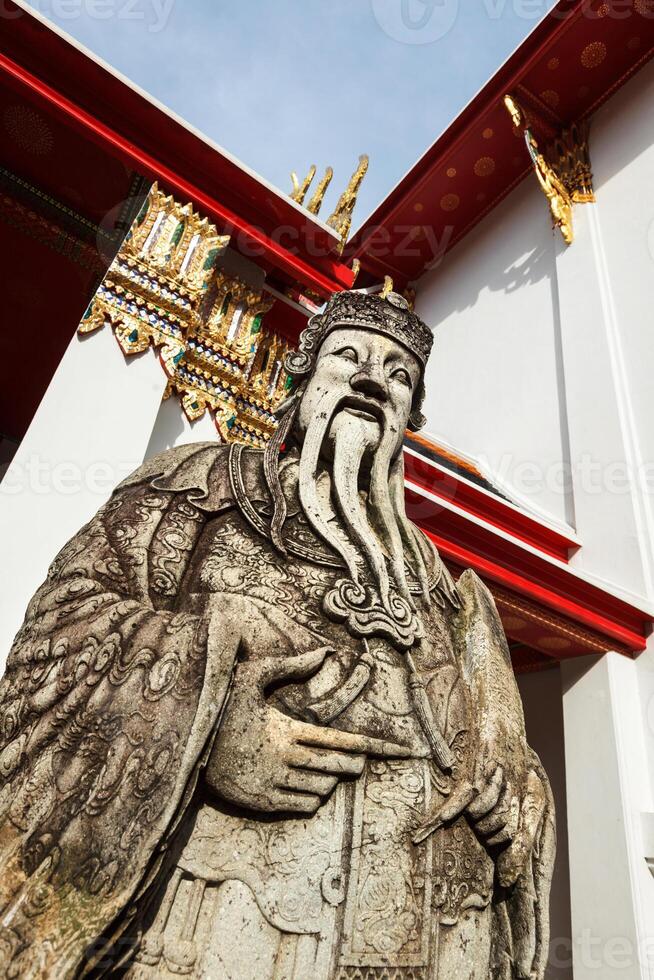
(263, 760)
(502, 816)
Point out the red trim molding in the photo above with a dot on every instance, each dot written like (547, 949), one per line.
(469, 541)
(475, 528)
(487, 506)
(326, 275)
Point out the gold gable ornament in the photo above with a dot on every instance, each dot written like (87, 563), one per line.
(566, 181)
(165, 289)
(341, 218)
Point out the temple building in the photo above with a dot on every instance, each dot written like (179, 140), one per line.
(152, 284)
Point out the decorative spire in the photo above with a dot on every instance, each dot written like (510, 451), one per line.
(300, 191)
(315, 204)
(341, 219)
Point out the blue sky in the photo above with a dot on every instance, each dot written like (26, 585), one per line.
(283, 84)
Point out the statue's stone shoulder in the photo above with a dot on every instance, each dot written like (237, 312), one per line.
(199, 469)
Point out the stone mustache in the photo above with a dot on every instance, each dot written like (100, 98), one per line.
(250, 727)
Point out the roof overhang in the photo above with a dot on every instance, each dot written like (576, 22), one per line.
(545, 603)
(80, 146)
(573, 61)
(66, 81)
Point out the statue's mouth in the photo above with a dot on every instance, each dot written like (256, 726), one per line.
(363, 409)
(361, 414)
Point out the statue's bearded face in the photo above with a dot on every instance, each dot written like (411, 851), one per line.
(350, 424)
(363, 384)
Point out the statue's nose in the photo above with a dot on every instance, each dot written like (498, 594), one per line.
(367, 383)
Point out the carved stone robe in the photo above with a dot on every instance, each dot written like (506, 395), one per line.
(113, 852)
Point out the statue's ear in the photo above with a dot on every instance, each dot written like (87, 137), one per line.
(417, 420)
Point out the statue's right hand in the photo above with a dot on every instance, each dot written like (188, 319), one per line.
(264, 760)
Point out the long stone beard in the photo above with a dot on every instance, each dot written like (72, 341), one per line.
(376, 599)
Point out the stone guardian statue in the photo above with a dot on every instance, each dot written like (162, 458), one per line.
(250, 727)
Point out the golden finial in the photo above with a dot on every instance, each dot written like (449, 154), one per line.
(356, 269)
(514, 111)
(316, 201)
(341, 219)
(388, 287)
(299, 191)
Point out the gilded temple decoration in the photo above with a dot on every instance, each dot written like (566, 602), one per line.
(555, 191)
(315, 203)
(563, 171)
(165, 289)
(341, 219)
(300, 190)
(571, 152)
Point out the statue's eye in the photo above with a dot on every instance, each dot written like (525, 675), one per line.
(349, 354)
(402, 376)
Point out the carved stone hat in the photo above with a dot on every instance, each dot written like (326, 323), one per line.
(389, 315)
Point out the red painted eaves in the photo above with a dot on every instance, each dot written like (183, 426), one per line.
(55, 74)
(572, 62)
(472, 542)
(489, 507)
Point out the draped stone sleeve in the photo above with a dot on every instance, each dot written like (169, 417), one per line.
(521, 907)
(104, 721)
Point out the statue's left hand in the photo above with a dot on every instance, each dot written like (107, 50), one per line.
(502, 814)
(505, 815)
(263, 760)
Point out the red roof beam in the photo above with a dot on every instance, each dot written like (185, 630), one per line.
(257, 243)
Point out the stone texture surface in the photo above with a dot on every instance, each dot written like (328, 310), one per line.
(251, 728)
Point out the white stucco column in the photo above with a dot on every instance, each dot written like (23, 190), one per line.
(608, 762)
(612, 510)
(608, 791)
(91, 429)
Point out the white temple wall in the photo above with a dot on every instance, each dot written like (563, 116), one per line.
(494, 388)
(90, 431)
(544, 353)
(541, 698)
(172, 428)
(622, 148)
(622, 154)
